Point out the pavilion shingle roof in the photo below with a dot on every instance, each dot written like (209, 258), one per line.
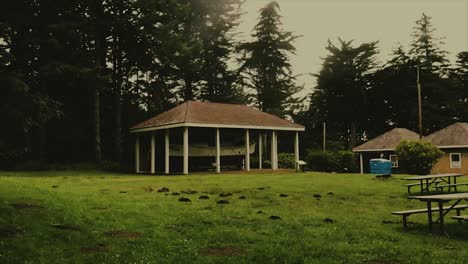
(453, 135)
(388, 141)
(192, 112)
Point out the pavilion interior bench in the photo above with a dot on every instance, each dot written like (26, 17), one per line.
(409, 185)
(461, 217)
(441, 187)
(407, 213)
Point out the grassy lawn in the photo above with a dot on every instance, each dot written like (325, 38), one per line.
(98, 217)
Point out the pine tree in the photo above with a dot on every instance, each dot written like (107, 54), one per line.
(265, 63)
(425, 48)
(341, 95)
(220, 83)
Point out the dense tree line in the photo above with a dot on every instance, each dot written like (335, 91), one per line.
(359, 98)
(75, 75)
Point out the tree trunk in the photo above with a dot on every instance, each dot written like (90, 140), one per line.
(100, 58)
(353, 135)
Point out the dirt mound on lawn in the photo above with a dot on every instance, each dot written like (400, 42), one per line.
(123, 234)
(27, 206)
(222, 251)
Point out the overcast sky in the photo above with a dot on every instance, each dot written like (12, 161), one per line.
(388, 21)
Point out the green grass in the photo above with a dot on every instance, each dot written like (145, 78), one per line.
(176, 232)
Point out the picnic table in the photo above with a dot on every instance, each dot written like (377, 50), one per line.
(426, 181)
(440, 199)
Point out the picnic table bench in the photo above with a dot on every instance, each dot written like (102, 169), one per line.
(409, 185)
(454, 185)
(406, 213)
(427, 181)
(461, 217)
(440, 199)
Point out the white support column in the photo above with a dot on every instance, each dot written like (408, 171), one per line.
(218, 151)
(186, 150)
(260, 151)
(167, 152)
(274, 151)
(137, 154)
(153, 154)
(247, 150)
(296, 149)
(361, 163)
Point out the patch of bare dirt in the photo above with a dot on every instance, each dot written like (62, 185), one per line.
(204, 197)
(222, 202)
(183, 199)
(27, 206)
(225, 194)
(65, 227)
(181, 228)
(381, 261)
(242, 197)
(275, 217)
(9, 231)
(93, 249)
(189, 192)
(123, 234)
(163, 189)
(148, 189)
(222, 251)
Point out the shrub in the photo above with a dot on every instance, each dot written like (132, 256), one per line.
(286, 161)
(321, 161)
(347, 161)
(417, 157)
(339, 161)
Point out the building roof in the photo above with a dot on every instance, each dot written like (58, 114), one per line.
(204, 114)
(387, 141)
(453, 136)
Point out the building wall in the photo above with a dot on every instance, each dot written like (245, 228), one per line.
(443, 165)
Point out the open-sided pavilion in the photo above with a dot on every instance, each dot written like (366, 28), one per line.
(218, 118)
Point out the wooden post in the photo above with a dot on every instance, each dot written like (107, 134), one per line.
(361, 163)
(218, 151)
(153, 154)
(137, 154)
(247, 150)
(186, 150)
(260, 150)
(167, 152)
(324, 143)
(296, 150)
(420, 124)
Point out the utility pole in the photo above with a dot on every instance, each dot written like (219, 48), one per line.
(419, 105)
(324, 136)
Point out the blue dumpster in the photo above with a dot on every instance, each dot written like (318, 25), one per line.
(380, 166)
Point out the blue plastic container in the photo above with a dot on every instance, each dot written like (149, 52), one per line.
(380, 166)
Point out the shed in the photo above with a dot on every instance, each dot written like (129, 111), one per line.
(384, 146)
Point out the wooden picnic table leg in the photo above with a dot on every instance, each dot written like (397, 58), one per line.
(427, 185)
(441, 217)
(450, 187)
(429, 215)
(421, 184)
(455, 182)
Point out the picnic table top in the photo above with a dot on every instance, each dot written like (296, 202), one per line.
(433, 176)
(441, 197)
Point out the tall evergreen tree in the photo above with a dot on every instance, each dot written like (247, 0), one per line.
(341, 95)
(461, 86)
(220, 83)
(265, 63)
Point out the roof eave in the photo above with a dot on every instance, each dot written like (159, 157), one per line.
(184, 124)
